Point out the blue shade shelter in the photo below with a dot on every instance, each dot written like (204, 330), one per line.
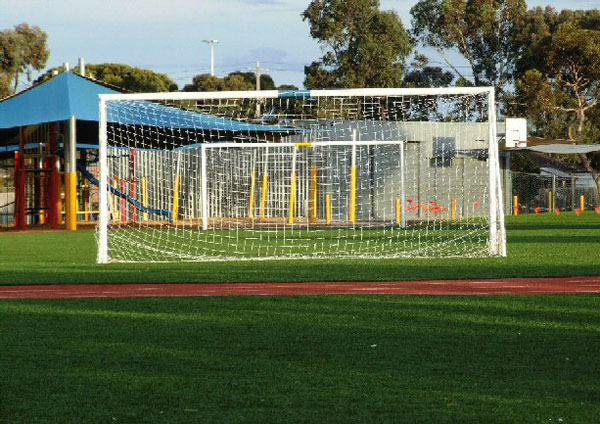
(55, 100)
(70, 94)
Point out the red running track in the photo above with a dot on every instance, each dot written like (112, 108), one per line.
(511, 286)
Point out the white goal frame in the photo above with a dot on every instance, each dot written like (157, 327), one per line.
(497, 235)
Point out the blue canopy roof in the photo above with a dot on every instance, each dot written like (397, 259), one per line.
(54, 100)
(70, 94)
(145, 113)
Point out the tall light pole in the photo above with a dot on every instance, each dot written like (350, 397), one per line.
(212, 54)
(257, 74)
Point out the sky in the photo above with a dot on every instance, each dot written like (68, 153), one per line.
(166, 35)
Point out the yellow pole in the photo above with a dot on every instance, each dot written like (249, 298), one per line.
(252, 182)
(313, 195)
(453, 209)
(292, 198)
(70, 153)
(582, 201)
(550, 208)
(516, 205)
(398, 211)
(71, 200)
(353, 194)
(328, 207)
(42, 212)
(60, 202)
(176, 200)
(145, 198)
(263, 202)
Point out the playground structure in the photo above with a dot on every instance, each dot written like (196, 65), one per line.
(45, 133)
(42, 193)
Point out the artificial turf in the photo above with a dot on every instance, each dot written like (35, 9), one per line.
(538, 246)
(335, 359)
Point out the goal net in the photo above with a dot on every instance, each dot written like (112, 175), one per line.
(377, 173)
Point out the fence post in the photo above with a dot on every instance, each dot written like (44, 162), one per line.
(572, 192)
(553, 197)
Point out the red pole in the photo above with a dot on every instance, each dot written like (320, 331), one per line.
(21, 184)
(132, 182)
(54, 180)
(17, 190)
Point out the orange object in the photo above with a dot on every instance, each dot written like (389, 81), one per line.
(578, 211)
(597, 210)
(538, 210)
(558, 211)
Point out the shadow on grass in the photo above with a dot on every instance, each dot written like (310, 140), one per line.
(554, 226)
(547, 239)
(303, 271)
(349, 359)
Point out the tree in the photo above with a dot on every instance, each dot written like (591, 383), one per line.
(22, 50)
(131, 78)
(563, 96)
(537, 33)
(287, 87)
(232, 82)
(204, 82)
(362, 46)
(5, 86)
(266, 81)
(126, 77)
(487, 33)
(422, 75)
(235, 81)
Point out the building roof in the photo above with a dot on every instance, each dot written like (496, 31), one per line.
(565, 149)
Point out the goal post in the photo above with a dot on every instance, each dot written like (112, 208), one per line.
(374, 173)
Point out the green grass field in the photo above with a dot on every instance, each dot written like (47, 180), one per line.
(339, 359)
(308, 359)
(538, 246)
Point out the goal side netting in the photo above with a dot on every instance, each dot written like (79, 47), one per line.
(300, 174)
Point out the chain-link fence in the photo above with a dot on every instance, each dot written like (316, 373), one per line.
(534, 193)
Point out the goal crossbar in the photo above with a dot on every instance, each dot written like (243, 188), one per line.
(273, 94)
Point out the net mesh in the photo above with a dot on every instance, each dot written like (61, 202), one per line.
(298, 176)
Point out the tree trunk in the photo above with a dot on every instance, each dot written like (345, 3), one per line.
(584, 159)
(591, 170)
(16, 80)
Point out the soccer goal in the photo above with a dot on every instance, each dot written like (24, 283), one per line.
(373, 173)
